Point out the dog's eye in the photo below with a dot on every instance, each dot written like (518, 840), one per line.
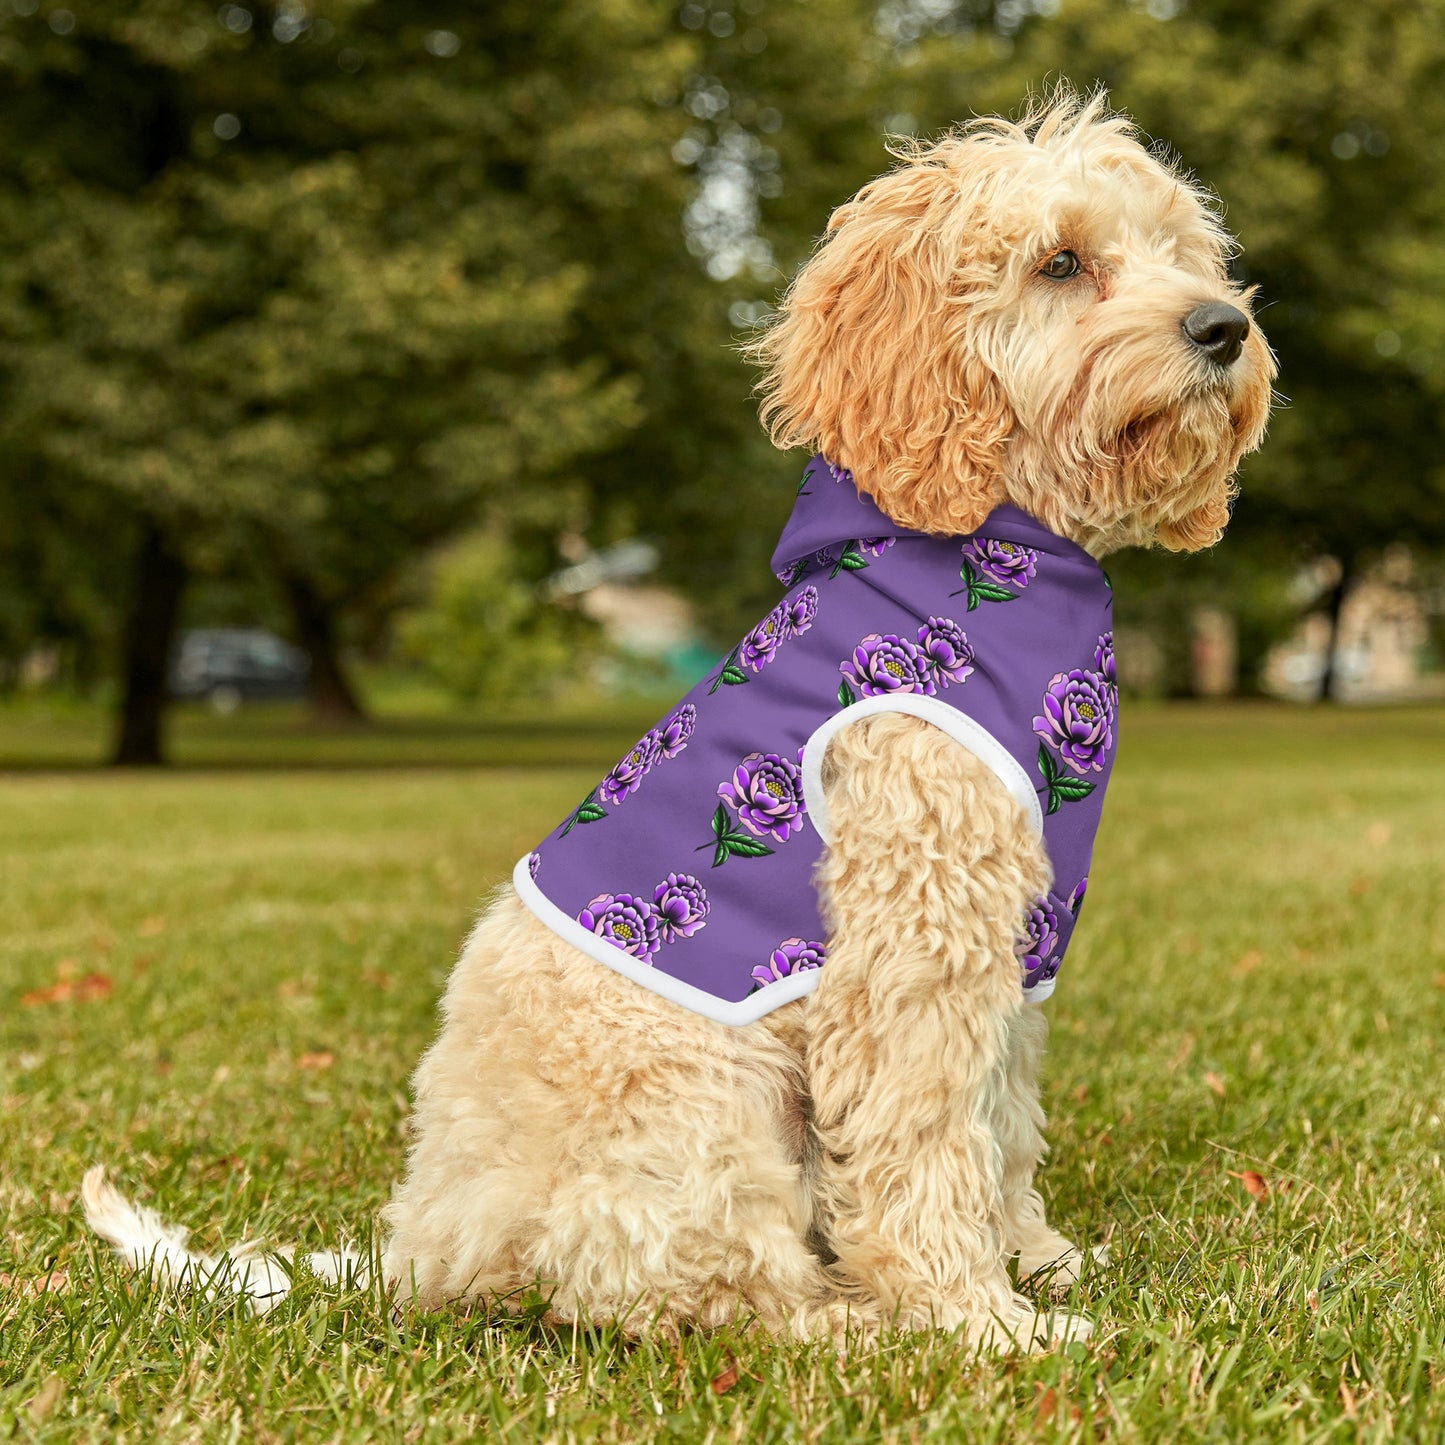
(1060, 266)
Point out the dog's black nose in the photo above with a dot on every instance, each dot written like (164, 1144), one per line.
(1218, 331)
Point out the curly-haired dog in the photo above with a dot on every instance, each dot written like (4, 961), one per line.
(1030, 323)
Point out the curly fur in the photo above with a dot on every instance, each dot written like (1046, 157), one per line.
(866, 1155)
(921, 347)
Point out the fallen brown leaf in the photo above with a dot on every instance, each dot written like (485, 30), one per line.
(1359, 886)
(82, 990)
(1248, 963)
(1214, 1083)
(56, 1282)
(727, 1379)
(1080, 1094)
(1440, 980)
(377, 979)
(1046, 1408)
(1254, 1182)
(320, 1059)
(151, 927)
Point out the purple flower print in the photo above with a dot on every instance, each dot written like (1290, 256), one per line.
(674, 733)
(627, 774)
(840, 474)
(874, 546)
(766, 792)
(762, 642)
(681, 905)
(1002, 561)
(1104, 658)
(1076, 898)
(792, 955)
(823, 556)
(800, 612)
(534, 862)
(1040, 939)
(1078, 719)
(945, 644)
(887, 663)
(624, 921)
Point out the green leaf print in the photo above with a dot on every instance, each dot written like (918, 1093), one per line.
(730, 674)
(1061, 787)
(729, 842)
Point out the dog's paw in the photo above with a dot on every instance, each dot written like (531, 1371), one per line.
(1023, 1326)
(1057, 1266)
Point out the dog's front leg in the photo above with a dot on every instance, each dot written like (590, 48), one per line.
(1042, 1251)
(925, 883)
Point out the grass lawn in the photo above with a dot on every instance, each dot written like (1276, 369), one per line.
(216, 981)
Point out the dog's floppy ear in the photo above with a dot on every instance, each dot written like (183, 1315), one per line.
(872, 358)
(1201, 528)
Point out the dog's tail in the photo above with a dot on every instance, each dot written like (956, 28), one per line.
(147, 1243)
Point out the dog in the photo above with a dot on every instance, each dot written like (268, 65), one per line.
(1025, 319)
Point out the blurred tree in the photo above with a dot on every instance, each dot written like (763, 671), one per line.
(487, 634)
(318, 285)
(779, 117)
(305, 283)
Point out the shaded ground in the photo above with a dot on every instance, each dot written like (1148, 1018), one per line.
(217, 981)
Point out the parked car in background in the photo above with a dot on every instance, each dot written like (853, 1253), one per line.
(227, 666)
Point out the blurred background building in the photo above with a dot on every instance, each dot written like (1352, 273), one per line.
(406, 332)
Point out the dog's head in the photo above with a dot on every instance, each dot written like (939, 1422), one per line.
(1036, 313)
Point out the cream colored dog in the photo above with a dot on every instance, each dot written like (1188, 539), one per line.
(1001, 318)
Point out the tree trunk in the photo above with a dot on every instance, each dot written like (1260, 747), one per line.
(150, 631)
(1335, 607)
(333, 699)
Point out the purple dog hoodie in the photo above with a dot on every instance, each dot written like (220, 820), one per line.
(689, 867)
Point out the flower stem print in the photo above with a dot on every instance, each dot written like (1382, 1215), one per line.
(729, 673)
(790, 618)
(849, 560)
(589, 810)
(994, 570)
(653, 747)
(980, 590)
(855, 554)
(1077, 729)
(729, 842)
(681, 905)
(766, 793)
(1060, 786)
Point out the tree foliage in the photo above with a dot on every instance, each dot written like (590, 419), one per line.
(301, 290)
